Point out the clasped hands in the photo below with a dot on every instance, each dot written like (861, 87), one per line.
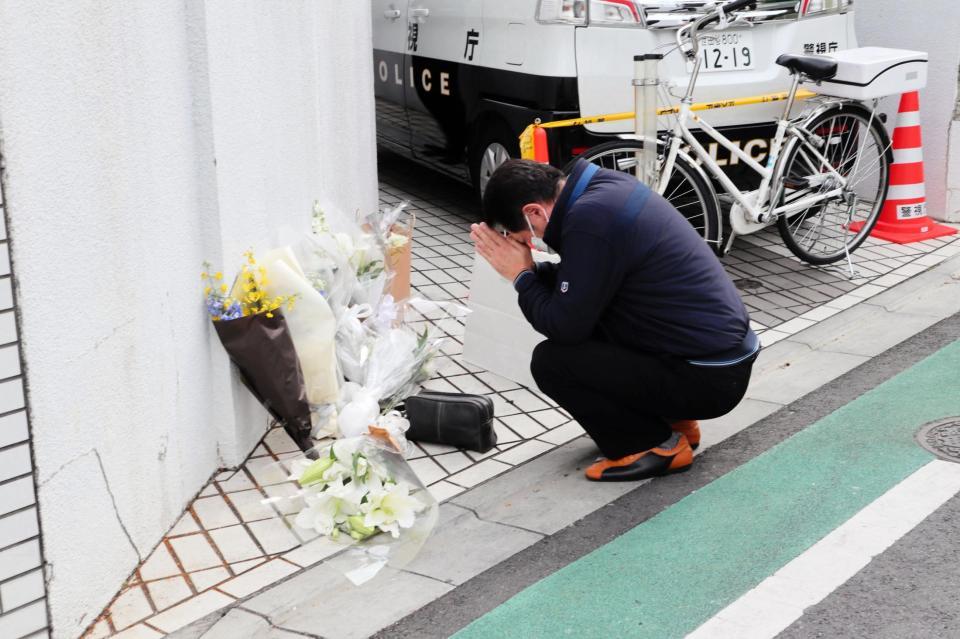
(507, 256)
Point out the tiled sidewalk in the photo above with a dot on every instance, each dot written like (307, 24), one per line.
(227, 545)
(230, 544)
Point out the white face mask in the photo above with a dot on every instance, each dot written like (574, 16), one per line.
(537, 242)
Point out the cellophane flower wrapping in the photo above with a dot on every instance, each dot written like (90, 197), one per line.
(312, 325)
(363, 493)
(359, 490)
(380, 360)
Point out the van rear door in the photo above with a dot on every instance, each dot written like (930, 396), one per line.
(390, 33)
(448, 40)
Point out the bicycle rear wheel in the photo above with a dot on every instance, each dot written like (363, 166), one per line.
(688, 190)
(857, 146)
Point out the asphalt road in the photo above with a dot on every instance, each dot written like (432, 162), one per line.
(911, 590)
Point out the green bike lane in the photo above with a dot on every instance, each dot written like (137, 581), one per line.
(676, 570)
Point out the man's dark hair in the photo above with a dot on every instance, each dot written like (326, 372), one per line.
(514, 185)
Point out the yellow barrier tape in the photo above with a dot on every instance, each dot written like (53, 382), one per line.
(526, 138)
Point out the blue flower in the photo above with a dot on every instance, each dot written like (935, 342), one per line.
(234, 312)
(214, 306)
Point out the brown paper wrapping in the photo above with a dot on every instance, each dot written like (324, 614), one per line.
(263, 352)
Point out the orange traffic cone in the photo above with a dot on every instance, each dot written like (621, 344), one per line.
(541, 150)
(904, 215)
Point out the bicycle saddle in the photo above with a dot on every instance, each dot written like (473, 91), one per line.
(814, 67)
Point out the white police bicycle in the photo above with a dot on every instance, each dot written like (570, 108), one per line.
(828, 171)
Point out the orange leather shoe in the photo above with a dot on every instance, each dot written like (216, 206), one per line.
(673, 456)
(690, 429)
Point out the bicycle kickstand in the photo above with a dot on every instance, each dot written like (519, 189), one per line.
(846, 247)
(853, 274)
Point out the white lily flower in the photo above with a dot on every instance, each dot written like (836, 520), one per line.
(337, 471)
(343, 449)
(319, 514)
(329, 507)
(391, 507)
(350, 493)
(362, 467)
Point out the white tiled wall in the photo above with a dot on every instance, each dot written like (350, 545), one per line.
(23, 606)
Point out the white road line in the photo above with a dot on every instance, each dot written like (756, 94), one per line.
(781, 599)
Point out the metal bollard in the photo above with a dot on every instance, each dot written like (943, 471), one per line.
(646, 79)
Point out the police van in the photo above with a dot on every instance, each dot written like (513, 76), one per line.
(457, 81)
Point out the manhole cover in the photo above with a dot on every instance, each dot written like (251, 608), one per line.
(942, 438)
(748, 285)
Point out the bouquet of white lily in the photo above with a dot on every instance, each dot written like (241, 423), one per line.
(363, 492)
(346, 491)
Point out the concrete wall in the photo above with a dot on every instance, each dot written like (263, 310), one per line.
(953, 163)
(929, 26)
(139, 139)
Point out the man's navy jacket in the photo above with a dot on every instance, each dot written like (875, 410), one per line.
(635, 275)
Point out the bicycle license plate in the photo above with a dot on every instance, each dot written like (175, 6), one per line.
(731, 51)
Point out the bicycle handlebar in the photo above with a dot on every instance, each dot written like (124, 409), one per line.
(736, 5)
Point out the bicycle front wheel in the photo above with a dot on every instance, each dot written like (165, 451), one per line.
(688, 190)
(856, 145)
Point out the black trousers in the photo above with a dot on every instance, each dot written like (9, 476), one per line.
(625, 399)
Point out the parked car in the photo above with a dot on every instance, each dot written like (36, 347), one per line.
(457, 81)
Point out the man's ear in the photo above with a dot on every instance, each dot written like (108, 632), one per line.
(534, 208)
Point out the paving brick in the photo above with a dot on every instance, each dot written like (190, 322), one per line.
(782, 314)
(752, 270)
(829, 290)
(776, 300)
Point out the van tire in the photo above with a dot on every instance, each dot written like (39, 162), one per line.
(493, 144)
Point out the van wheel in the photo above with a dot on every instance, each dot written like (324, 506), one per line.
(494, 146)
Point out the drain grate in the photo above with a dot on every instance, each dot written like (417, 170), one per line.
(942, 438)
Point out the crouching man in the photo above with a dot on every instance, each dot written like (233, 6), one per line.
(646, 332)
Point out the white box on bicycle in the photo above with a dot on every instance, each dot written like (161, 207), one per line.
(874, 72)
